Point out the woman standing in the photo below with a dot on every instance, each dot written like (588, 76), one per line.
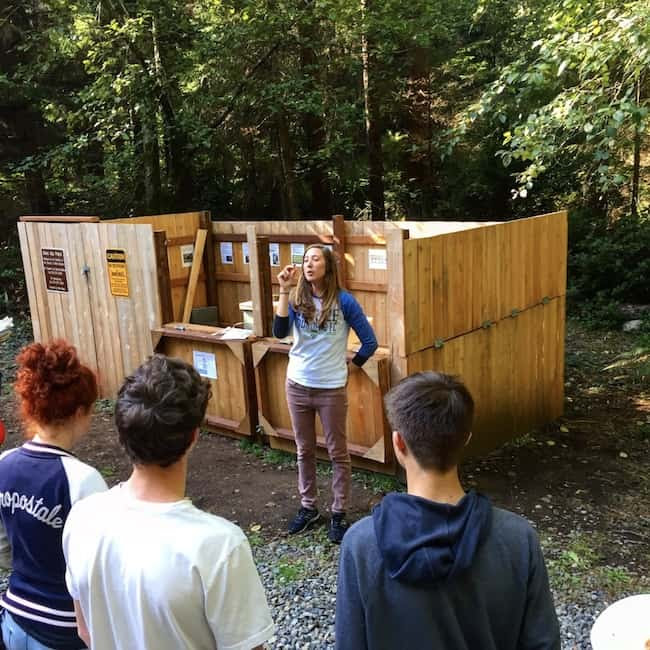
(39, 482)
(321, 315)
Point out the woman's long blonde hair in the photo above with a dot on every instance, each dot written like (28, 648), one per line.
(301, 297)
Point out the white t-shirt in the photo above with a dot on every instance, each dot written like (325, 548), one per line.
(162, 576)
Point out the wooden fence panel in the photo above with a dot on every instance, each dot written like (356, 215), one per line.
(180, 230)
(458, 282)
(514, 370)
(111, 333)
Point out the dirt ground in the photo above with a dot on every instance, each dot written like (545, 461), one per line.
(584, 481)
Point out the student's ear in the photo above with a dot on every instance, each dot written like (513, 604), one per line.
(195, 438)
(399, 446)
(469, 437)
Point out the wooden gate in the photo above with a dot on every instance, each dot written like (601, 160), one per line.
(95, 285)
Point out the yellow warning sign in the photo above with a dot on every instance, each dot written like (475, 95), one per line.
(117, 274)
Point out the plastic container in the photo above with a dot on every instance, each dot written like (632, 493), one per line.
(624, 625)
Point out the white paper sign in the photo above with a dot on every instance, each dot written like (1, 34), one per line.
(297, 253)
(225, 249)
(274, 254)
(244, 253)
(187, 254)
(377, 259)
(205, 364)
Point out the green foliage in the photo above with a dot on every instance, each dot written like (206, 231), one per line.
(288, 571)
(608, 264)
(257, 109)
(12, 278)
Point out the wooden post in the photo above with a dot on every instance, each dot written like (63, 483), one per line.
(199, 246)
(395, 301)
(162, 273)
(338, 230)
(261, 288)
(209, 262)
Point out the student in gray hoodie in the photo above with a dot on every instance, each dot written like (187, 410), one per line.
(439, 567)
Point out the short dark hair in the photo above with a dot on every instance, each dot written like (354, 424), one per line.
(157, 409)
(434, 414)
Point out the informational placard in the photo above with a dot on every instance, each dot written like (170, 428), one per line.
(244, 253)
(118, 278)
(274, 254)
(377, 259)
(225, 249)
(205, 364)
(187, 254)
(54, 269)
(297, 253)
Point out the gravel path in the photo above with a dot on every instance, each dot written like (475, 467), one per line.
(303, 607)
(300, 582)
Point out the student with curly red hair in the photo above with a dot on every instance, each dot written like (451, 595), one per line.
(39, 482)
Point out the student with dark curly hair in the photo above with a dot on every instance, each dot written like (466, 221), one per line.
(39, 483)
(146, 568)
(320, 314)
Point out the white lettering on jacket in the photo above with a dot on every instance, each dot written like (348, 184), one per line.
(33, 507)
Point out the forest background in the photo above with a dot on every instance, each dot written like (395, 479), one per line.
(300, 109)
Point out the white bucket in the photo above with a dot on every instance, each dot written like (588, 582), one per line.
(624, 625)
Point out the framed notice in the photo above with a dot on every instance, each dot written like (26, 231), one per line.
(297, 253)
(377, 259)
(187, 254)
(274, 254)
(205, 364)
(118, 277)
(225, 248)
(54, 269)
(244, 253)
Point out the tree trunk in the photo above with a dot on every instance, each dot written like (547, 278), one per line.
(373, 131)
(636, 166)
(312, 123)
(176, 146)
(286, 153)
(151, 164)
(39, 202)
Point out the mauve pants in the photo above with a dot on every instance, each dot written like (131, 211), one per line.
(331, 404)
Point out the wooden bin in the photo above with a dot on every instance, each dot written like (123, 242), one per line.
(481, 300)
(232, 408)
(369, 439)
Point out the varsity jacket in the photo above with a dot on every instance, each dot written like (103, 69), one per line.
(38, 485)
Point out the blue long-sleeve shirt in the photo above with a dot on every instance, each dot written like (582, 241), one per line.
(317, 358)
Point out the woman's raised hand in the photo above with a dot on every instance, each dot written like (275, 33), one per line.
(286, 276)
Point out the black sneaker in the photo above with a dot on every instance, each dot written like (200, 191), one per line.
(305, 518)
(338, 527)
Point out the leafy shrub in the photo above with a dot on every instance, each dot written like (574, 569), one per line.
(608, 264)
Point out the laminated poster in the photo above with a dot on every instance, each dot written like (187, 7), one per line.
(118, 278)
(274, 254)
(297, 253)
(205, 364)
(187, 254)
(225, 249)
(244, 253)
(377, 259)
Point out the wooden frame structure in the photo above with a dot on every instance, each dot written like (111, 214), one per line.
(482, 300)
